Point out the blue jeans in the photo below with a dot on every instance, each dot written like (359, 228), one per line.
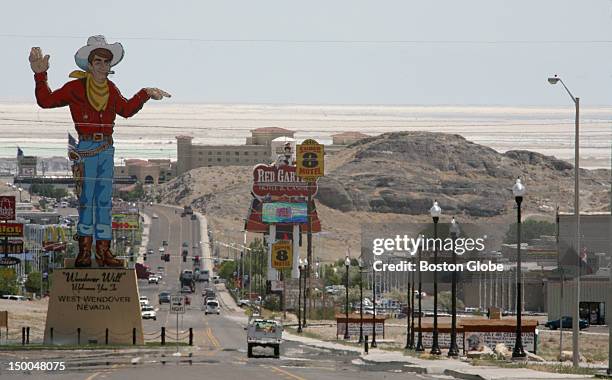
(96, 196)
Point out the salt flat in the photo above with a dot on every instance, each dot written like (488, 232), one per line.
(151, 133)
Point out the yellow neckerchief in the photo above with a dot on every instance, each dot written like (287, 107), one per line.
(97, 93)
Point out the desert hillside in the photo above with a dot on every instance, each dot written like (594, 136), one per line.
(393, 178)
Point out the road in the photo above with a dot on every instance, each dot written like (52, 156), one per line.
(219, 350)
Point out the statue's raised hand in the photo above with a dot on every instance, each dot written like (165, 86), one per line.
(38, 62)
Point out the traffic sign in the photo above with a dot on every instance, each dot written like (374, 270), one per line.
(177, 304)
(282, 254)
(310, 160)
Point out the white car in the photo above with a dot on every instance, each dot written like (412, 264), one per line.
(211, 307)
(155, 216)
(148, 312)
(243, 302)
(153, 280)
(144, 301)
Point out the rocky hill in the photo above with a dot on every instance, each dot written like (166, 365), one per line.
(403, 173)
(394, 178)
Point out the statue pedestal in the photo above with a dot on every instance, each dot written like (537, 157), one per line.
(101, 303)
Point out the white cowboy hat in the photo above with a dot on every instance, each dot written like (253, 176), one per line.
(98, 42)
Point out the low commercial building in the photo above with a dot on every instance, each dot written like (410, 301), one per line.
(147, 172)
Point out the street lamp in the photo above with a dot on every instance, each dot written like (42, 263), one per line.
(518, 190)
(306, 270)
(409, 311)
(454, 349)
(299, 308)
(435, 213)
(374, 305)
(576, 313)
(360, 261)
(419, 346)
(347, 264)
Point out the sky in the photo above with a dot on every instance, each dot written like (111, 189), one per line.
(471, 52)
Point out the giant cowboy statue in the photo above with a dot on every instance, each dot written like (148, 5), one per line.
(94, 102)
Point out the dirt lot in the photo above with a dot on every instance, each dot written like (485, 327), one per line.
(593, 344)
(24, 314)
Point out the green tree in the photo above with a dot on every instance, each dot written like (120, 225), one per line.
(32, 284)
(530, 229)
(445, 301)
(8, 281)
(226, 270)
(46, 190)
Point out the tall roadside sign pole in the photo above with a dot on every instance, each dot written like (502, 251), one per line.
(310, 159)
(7, 213)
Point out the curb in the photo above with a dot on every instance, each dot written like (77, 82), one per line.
(405, 366)
(462, 375)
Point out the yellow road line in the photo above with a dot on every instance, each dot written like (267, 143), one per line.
(212, 338)
(90, 377)
(289, 374)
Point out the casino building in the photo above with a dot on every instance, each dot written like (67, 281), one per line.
(263, 146)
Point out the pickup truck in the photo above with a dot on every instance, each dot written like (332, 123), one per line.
(264, 333)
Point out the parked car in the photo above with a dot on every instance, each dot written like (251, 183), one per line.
(153, 279)
(164, 297)
(147, 312)
(567, 323)
(155, 216)
(13, 297)
(243, 302)
(150, 251)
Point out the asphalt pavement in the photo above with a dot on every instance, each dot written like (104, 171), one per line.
(219, 349)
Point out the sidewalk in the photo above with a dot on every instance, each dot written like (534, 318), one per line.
(442, 366)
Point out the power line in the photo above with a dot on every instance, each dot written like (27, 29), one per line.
(326, 41)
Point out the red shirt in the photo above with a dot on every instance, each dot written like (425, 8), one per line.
(86, 119)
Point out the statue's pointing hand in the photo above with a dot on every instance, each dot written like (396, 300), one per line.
(156, 93)
(38, 63)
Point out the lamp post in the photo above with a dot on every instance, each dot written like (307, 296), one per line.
(576, 311)
(454, 349)
(374, 306)
(360, 300)
(306, 270)
(347, 264)
(518, 190)
(412, 310)
(409, 311)
(435, 212)
(419, 346)
(299, 309)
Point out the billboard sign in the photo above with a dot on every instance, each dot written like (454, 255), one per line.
(14, 247)
(11, 229)
(284, 212)
(282, 254)
(125, 221)
(7, 207)
(310, 160)
(272, 180)
(6, 261)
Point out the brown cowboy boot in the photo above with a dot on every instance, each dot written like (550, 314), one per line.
(104, 257)
(83, 259)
